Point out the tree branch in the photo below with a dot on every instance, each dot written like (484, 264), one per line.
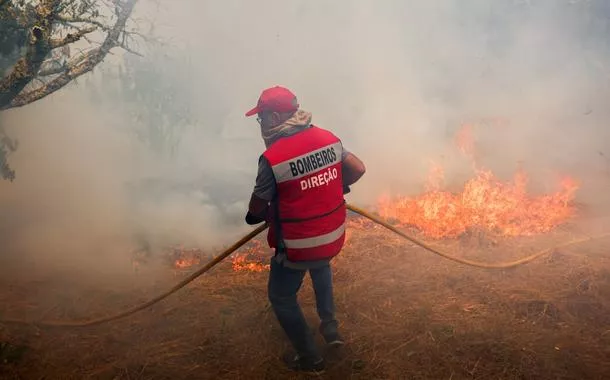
(86, 64)
(57, 69)
(26, 68)
(83, 20)
(71, 37)
(130, 50)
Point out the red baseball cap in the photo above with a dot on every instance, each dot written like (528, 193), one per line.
(276, 99)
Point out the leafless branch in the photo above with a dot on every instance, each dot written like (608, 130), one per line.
(69, 20)
(130, 50)
(71, 37)
(143, 37)
(45, 72)
(89, 60)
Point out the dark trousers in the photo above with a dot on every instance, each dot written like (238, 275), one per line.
(284, 284)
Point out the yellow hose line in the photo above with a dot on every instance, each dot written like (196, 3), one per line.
(260, 229)
(510, 264)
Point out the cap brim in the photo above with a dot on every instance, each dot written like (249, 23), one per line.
(253, 111)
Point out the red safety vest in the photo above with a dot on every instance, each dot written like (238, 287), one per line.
(309, 206)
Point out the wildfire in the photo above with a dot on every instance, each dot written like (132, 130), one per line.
(249, 259)
(242, 263)
(246, 259)
(186, 258)
(485, 202)
(185, 263)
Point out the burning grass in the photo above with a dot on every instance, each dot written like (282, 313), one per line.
(250, 258)
(503, 208)
(402, 310)
(486, 203)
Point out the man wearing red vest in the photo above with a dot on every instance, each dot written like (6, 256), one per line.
(302, 177)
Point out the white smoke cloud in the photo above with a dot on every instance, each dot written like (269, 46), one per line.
(394, 79)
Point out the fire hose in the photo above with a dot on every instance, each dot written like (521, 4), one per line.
(264, 226)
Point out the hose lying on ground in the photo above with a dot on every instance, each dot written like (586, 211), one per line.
(510, 264)
(260, 229)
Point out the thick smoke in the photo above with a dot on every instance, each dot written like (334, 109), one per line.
(394, 79)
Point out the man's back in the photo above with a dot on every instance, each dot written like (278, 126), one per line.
(303, 175)
(308, 209)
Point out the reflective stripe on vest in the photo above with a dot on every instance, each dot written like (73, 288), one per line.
(316, 240)
(303, 165)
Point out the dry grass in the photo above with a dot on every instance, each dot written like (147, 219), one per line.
(405, 314)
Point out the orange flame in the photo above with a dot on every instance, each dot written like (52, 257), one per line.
(484, 202)
(249, 258)
(241, 263)
(186, 258)
(185, 263)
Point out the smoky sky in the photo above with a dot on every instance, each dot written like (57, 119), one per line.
(393, 79)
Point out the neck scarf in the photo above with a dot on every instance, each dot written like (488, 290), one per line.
(299, 121)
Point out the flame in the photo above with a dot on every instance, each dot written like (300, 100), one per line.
(246, 259)
(249, 258)
(185, 263)
(242, 263)
(186, 258)
(484, 202)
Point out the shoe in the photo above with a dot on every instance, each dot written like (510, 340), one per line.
(334, 340)
(304, 364)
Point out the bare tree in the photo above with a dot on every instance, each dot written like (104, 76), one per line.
(46, 44)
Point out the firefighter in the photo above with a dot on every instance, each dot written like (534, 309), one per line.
(302, 177)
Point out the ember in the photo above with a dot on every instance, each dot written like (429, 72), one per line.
(246, 259)
(186, 263)
(185, 258)
(249, 258)
(244, 263)
(485, 202)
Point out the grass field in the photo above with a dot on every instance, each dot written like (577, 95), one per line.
(406, 314)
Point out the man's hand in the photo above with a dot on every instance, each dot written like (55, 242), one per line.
(257, 210)
(253, 219)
